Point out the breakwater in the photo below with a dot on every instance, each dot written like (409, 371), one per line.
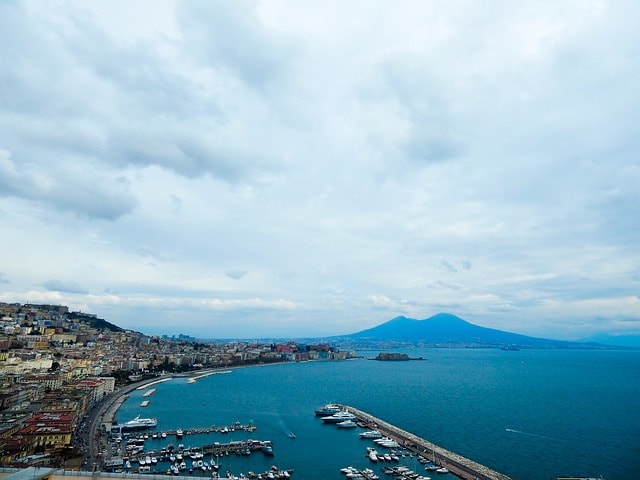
(457, 464)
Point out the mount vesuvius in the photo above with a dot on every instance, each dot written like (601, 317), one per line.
(447, 329)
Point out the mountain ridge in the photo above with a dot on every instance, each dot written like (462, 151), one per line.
(446, 329)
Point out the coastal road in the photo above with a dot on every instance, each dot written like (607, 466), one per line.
(90, 437)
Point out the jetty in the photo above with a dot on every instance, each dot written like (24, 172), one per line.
(458, 465)
(155, 382)
(194, 378)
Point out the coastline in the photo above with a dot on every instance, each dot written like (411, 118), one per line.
(104, 413)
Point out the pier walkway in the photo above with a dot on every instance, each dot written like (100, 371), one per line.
(458, 465)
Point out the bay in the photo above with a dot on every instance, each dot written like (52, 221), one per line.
(531, 414)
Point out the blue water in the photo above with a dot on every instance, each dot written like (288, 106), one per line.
(531, 414)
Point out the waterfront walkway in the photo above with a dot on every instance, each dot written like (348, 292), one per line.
(458, 465)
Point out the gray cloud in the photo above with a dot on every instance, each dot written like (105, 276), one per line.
(64, 286)
(437, 156)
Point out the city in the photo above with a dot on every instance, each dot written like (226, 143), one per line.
(56, 366)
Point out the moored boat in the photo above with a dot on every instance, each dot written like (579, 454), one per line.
(338, 417)
(347, 424)
(328, 409)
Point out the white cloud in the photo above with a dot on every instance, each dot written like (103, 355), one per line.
(318, 169)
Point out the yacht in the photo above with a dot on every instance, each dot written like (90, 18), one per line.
(371, 434)
(347, 424)
(328, 409)
(386, 442)
(138, 424)
(338, 417)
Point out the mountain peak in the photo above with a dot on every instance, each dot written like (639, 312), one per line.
(446, 329)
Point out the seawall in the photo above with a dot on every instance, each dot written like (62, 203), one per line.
(457, 464)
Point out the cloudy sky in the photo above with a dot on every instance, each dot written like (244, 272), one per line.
(285, 168)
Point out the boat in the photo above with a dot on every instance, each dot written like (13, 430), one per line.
(137, 424)
(442, 470)
(145, 403)
(328, 409)
(179, 433)
(267, 449)
(347, 424)
(371, 435)
(338, 417)
(372, 453)
(386, 442)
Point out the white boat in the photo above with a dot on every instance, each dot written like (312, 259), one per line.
(442, 470)
(179, 433)
(386, 442)
(347, 424)
(372, 453)
(138, 424)
(338, 417)
(371, 434)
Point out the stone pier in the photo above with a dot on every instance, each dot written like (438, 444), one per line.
(458, 465)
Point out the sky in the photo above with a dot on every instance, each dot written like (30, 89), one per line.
(278, 168)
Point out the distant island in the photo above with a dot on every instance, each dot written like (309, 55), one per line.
(394, 357)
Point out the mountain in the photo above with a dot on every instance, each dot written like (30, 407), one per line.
(445, 329)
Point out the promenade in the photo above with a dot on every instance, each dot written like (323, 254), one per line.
(460, 466)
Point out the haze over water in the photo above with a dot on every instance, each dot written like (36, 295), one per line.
(530, 414)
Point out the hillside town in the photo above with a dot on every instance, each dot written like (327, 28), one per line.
(57, 365)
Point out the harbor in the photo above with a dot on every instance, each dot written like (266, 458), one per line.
(321, 450)
(458, 465)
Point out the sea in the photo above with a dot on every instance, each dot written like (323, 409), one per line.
(530, 414)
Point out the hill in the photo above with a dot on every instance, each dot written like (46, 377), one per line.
(445, 329)
(94, 321)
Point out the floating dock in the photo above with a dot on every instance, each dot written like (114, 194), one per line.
(458, 465)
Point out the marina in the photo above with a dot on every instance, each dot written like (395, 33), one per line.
(441, 458)
(451, 409)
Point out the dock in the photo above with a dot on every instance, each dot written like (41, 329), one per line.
(458, 465)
